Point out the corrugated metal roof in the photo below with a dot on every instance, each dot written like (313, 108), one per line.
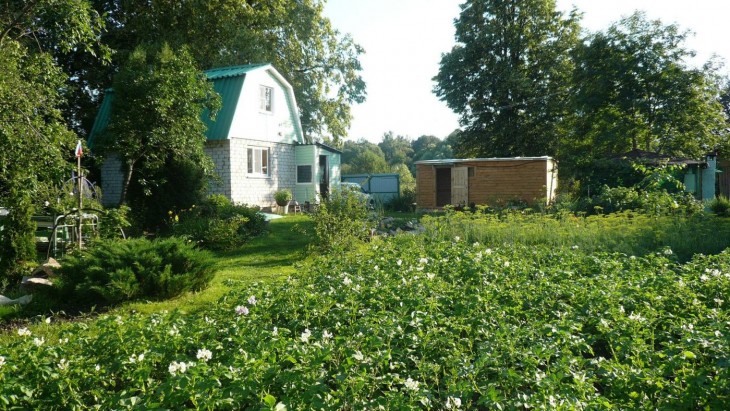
(465, 160)
(227, 82)
(233, 71)
(229, 88)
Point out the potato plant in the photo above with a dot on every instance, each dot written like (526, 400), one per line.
(410, 323)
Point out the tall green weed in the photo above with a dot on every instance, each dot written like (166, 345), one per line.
(342, 220)
(628, 232)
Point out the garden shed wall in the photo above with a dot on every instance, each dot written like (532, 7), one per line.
(485, 181)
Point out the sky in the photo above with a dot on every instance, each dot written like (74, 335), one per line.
(404, 40)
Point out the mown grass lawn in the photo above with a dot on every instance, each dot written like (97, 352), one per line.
(267, 258)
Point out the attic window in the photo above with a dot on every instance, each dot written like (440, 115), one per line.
(266, 98)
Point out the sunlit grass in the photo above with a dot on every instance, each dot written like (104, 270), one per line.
(267, 258)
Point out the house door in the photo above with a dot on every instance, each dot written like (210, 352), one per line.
(443, 186)
(460, 186)
(324, 173)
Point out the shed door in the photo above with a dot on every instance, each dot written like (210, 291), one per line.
(460, 186)
(443, 186)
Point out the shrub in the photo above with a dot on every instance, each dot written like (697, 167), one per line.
(654, 202)
(218, 224)
(176, 186)
(282, 197)
(720, 206)
(343, 218)
(112, 271)
(114, 221)
(404, 202)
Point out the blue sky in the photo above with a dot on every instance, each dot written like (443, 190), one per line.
(404, 40)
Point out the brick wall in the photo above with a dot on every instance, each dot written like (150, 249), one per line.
(234, 182)
(493, 182)
(112, 179)
(425, 186)
(259, 190)
(219, 151)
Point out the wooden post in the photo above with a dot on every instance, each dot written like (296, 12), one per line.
(78, 153)
(81, 197)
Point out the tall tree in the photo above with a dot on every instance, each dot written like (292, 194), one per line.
(159, 96)
(508, 76)
(321, 64)
(37, 146)
(396, 149)
(633, 90)
(363, 157)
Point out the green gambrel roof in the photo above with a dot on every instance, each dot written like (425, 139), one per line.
(234, 71)
(102, 117)
(227, 82)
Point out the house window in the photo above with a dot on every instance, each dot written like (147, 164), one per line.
(266, 99)
(304, 174)
(258, 161)
(471, 171)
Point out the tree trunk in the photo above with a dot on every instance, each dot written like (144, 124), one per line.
(127, 181)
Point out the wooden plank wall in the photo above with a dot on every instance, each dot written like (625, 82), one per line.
(494, 182)
(425, 186)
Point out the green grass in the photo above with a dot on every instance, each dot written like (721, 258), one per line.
(266, 258)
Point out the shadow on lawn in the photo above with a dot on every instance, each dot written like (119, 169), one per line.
(270, 255)
(284, 243)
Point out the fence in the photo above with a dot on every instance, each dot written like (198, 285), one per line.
(382, 187)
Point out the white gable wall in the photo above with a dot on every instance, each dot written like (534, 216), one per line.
(249, 121)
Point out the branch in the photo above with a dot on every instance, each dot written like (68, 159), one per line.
(312, 68)
(25, 11)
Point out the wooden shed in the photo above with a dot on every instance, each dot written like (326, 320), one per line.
(485, 181)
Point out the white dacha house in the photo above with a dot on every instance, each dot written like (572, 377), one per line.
(256, 142)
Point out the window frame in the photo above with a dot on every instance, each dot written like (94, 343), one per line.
(266, 99)
(257, 162)
(311, 174)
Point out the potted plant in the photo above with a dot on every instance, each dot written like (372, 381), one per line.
(283, 197)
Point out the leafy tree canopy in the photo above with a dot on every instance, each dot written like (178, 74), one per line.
(158, 98)
(432, 148)
(37, 145)
(508, 76)
(363, 157)
(396, 149)
(321, 64)
(633, 90)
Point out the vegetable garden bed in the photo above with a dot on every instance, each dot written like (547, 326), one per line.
(437, 324)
